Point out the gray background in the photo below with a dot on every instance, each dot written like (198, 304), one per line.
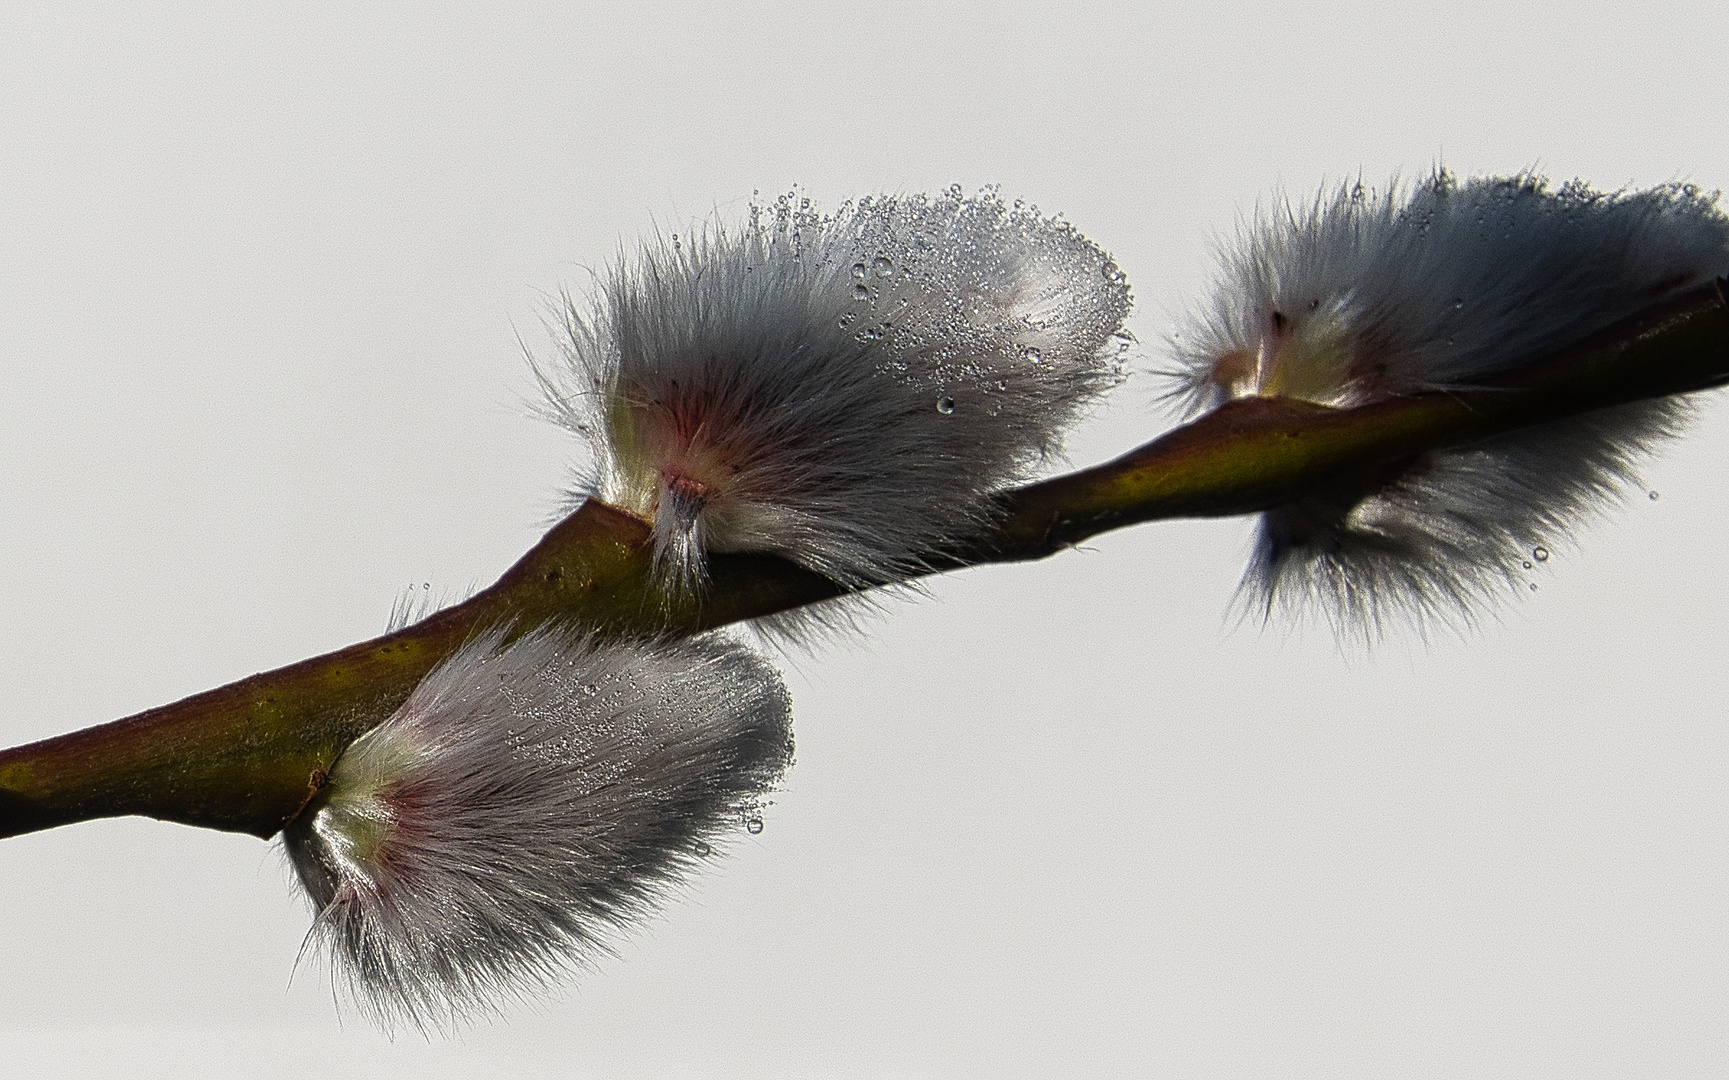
(261, 277)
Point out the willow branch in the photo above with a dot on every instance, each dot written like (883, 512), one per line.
(247, 756)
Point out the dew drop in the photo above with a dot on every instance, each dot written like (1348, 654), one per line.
(861, 292)
(1527, 564)
(753, 825)
(1110, 272)
(1652, 495)
(1458, 304)
(1541, 554)
(702, 850)
(872, 333)
(1033, 356)
(1533, 586)
(945, 404)
(858, 270)
(883, 267)
(846, 320)
(956, 191)
(1001, 384)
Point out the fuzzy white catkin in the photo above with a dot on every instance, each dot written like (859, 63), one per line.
(846, 390)
(525, 801)
(1363, 296)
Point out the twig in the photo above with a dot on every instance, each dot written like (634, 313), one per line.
(247, 756)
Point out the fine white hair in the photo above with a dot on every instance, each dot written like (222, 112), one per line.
(847, 390)
(524, 802)
(1361, 296)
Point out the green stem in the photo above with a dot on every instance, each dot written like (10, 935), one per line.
(247, 756)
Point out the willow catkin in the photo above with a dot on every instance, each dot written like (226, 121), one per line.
(526, 801)
(845, 390)
(1361, 296)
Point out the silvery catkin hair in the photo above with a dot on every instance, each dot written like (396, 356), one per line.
(1362, 296)
(844, 390)
(523, 802)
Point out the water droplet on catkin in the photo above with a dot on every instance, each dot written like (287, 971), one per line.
(701, 850)
(1527, 564)
(1541, 554)
(945, 404)
(861, 292)
(883, 266)
(1110, 272)
(858, 270)
(1652, 495)
(1533, 586)
(753, 825)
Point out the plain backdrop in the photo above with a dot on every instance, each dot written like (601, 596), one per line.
(263, 274)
